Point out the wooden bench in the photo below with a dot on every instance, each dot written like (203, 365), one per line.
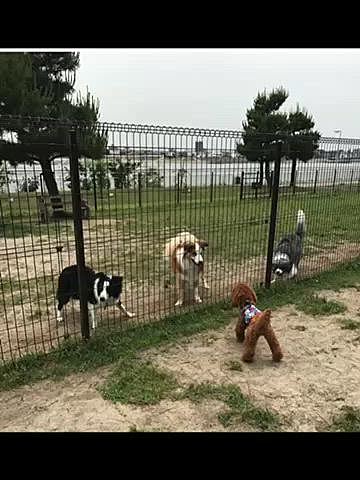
(57, 206)
(53, 207)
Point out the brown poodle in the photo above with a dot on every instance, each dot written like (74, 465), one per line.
(253, 323)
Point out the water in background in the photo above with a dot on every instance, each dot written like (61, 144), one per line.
(201, 172)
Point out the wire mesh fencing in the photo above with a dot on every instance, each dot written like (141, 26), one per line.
(141, 186)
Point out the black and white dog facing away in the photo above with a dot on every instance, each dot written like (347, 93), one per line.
(102, 290)
(289, 251)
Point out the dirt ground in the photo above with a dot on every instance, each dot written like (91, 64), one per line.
(318, 375)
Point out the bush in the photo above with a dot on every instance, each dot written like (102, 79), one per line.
(29, 185)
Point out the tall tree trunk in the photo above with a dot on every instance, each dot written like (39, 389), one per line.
(293, 173)
(52, 188)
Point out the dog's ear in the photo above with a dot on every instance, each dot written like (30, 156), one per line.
(117, 280)
(203, 243)
(115, 287)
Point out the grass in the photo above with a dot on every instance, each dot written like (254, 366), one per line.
(349, 324)
(314, 305)
(240, 408)
(234, 365)
(196, 212)
(138, 383)
(107, 347)
(342, 276)
(347, 421)
(244, 221)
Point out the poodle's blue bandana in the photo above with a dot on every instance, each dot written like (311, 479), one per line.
(248, 313)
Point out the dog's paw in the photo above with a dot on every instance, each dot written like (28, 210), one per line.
(198, 300)
(130, 315)
(178, 303)
(206, 286)
(59, 319)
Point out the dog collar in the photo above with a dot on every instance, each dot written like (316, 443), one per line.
(248, 313)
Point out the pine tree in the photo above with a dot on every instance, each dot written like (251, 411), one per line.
(42, 84)
(265, 124)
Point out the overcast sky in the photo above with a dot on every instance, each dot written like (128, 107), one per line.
(212, 88)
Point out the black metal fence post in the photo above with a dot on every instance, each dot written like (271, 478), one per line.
(242, 186)
(178, 188)
(41, 184)
(333, 186)
(212, 187)
(271, 182)
(94, 187)
(316, 179)
(79, 235)
(140, 189)
(294, 184)
(273, 215)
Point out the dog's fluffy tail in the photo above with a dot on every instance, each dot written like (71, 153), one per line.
(262, 320)
(300, 227)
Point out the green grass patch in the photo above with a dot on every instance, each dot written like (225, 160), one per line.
(135, 382)
(107, 347)
(336, 279)
(236, 229)
(314, 305)
(240, 409)
(138, 383)
(347, 421)
(234, 365)
(349, 324)
(241, 220)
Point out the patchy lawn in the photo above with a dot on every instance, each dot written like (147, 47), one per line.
(186, 374)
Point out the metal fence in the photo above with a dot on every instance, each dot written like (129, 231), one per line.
(152, 183)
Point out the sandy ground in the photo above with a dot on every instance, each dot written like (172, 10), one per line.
(318, 375)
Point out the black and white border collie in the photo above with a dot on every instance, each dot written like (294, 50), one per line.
(102, 290)
(289, 251)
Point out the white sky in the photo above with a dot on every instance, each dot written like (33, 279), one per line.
(212, 88)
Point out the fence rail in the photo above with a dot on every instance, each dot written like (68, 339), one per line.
(148, 184)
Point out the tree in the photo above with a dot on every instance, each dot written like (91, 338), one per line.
(29, 184)
(182, 178)
(84, 176)
(123, 173)
(99, 174)
(265, 124)
(17, 92)
(153, 178)
(4, 177)
(45, 85)
(303, 140)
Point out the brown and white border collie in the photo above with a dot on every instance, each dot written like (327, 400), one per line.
(187, 262)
